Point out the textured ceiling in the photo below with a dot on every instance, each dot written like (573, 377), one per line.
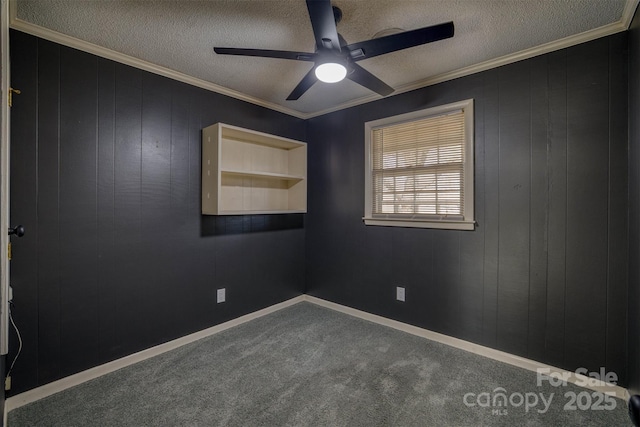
(180, 36)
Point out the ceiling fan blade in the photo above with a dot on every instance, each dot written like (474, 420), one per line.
(368, 80)
(324, 24)
(304, 85)
(380, 46)
(266, 53)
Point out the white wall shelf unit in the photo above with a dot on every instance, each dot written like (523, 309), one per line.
(245, 172)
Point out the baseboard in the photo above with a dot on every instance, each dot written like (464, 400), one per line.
(81, 377)
(501, 356)
(62, 384)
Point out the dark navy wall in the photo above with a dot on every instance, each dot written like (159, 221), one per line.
(3, 369)
(106, 180)
(634, 205)
(544, 275)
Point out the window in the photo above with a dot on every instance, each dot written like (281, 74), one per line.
(420, 169)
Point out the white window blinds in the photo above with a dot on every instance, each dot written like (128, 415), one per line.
(418, 168)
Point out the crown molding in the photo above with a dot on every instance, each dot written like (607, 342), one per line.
(63, 39)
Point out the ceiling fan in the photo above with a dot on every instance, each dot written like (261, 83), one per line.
(334, 59)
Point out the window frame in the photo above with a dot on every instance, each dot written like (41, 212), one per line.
(424, 221)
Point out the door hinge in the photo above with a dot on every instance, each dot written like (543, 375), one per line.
(9, 251)
(11, 92)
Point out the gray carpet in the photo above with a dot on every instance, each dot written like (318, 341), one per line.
(309, 366)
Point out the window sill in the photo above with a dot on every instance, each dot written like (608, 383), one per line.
(421, 223)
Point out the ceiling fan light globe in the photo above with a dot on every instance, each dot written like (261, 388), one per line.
(331, 72)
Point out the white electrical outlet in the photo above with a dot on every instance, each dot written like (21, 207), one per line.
(400, 293)
(221, 295)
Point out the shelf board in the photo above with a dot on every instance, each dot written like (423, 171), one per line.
(255, 137)
(265, 175)
(280, 211)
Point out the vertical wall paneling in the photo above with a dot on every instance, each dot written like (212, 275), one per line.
(127, 200)
(179, 222)
(106, 181)
(446, 280)
(557, 211)
(617, 233)
(107, 242)
(327, 209)
(491, 205)
(155, 204)
(48, 227)
(78, 210)
(539, 207)
(587, 194)
(514, 187)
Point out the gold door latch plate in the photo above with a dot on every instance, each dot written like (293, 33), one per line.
(11, 92)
